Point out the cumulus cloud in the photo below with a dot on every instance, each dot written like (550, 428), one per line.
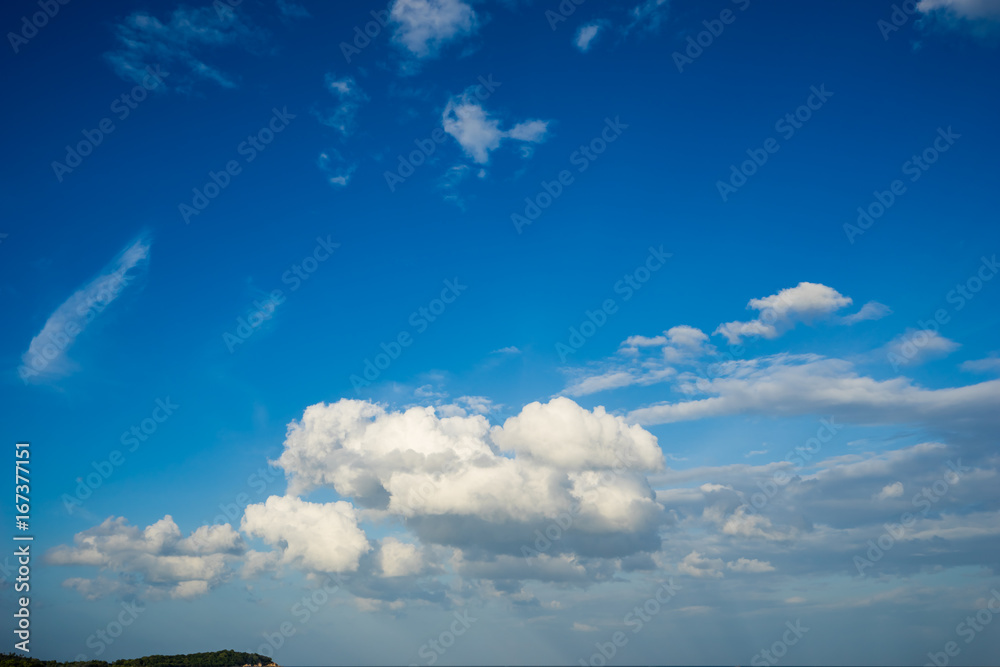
(814, 523)
(806, 302)
(894, 490)
(817, 521)
(648, 360)
(179, 45)
(563, 434)
(154, 562)
(479, 133)
(46, 355)
(256, 563)
(318, 537)
(743, 523)
(677, 344)
(448, 477)
(697, 565)
(466, 405)
(424, 27)
(400, 559)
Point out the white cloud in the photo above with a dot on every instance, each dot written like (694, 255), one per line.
(696, 565)
(154, 562)
(582, 627)
(679, 345)
(447, 477)
(585, 36)
(177, 45)
(632, 343)
(532, 131)
(916, 346)
(256, 563)
(650, 14)
(562, 568)
(686, 336)
(450, 181)
(350, 97)
(968, 9)
(990, 364)
(423, 27)
(292, 10)
(786, 385)
(46, 354)
(806, 302)
(334, 167)
(595, 383)
(745, 524)
(319, 537)
(187, 590)
(480, 405)
(478, 133)
(614, 379)
(711, 488)
(684, 343)
(563, 434)
(873, 310)
(955, 527)
(749, 565)
(894, 490)
(818, 518)
(400, 559)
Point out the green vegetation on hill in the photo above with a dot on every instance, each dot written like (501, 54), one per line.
(213, 659)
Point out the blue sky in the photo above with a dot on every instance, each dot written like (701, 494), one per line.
(317, 335)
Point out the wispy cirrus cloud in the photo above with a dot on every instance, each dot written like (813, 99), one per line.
(649, 15)
(180, 44)
(349, 96)
(990, 364)
(915, 346)
(336, 169)
(46, 355)
(292, 10)
(966, 9)
(586, 35)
